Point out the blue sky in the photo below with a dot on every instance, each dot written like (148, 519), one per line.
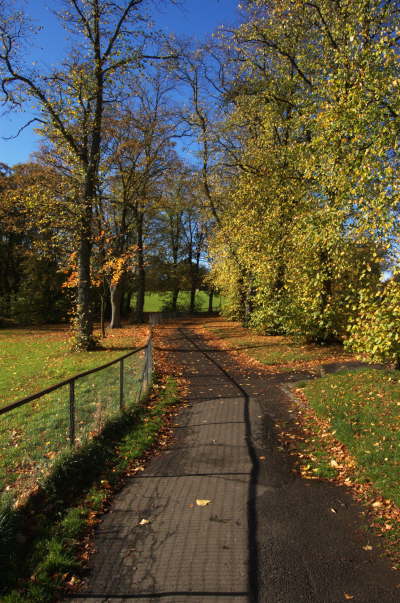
(193, 18)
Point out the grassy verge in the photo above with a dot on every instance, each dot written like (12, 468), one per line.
(363, 410)
(49, 535)
(356, 440)
(33, 436)
(347, 425)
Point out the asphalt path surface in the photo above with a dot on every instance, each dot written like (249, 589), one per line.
(221, 515)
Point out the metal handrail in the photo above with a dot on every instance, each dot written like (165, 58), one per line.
(52, 388)
(76, 429)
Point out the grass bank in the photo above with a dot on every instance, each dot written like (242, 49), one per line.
(33, 436)
(361, 410)
(45, 544)
(283, 353)
(347, 425)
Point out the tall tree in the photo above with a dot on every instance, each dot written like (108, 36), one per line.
(141, 139)
(107, 40)
(313, 87)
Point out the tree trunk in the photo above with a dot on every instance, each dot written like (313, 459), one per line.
(279, 278)
(210, 301)
(325, 335)
(102, 307)
(141, 279)
(84, 327)
(127, 303)
(242, 299)
(175, 279)
(192, 298)
(249, 306)
(116, 298)
(84, 334)
(175, 293)
(194, 282)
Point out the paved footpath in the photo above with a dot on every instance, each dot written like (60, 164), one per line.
(264, 536)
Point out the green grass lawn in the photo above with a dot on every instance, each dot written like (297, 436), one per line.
(156, 302)
(32, 436)
(35, 358)
(363, 409)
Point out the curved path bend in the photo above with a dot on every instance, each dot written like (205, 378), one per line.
(263, 535)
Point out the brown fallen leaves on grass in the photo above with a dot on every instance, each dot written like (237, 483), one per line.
(135, 335)
(245, 356)
(306, 432)
(309, 430)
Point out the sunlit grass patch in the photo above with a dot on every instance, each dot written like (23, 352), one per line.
(156, 301)
(33, 359)
(363, 409)
(34, 435)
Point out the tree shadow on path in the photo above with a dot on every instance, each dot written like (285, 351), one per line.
(310, 534)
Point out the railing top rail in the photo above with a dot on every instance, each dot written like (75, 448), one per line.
(52, 388)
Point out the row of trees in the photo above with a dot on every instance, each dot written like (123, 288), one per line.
(158, 246)
(308, 131)
(296, 113)
(107, 199)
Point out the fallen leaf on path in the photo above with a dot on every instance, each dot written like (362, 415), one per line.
(144, 522)
(348, 597)
(202, 502)
(333, 510)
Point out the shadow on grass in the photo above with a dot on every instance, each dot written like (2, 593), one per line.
(73, 475)
(122, 348)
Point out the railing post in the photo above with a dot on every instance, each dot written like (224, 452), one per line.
(149, 363)
(72, 412)
(139, 394)
(121, 385)
(146, 360)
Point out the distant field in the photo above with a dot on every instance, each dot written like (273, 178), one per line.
(155, 302)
